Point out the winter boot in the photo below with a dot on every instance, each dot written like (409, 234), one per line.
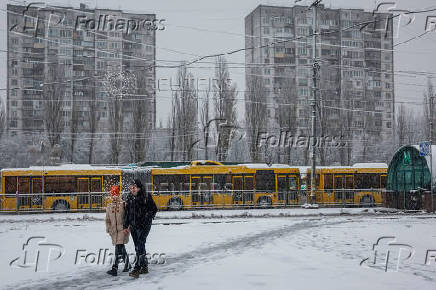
(134, 273)
(113, 271)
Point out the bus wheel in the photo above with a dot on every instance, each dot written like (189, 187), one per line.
(60, 205)
(367, 200)
(264, 201)
(175, 204)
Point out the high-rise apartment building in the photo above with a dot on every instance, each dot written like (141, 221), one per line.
(84, 46)
(356, 81)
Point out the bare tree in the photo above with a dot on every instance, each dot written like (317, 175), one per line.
(54, 91)
(287, 113)
(428, 108)
(402, 125)
(172, 129)
(119, 84)
(205, 122)
(255, 112)
(224, 96)
(185, 103)
(140, 126)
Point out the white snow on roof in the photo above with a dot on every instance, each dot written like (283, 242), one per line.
(371, 165)
(265, 166)
(64, 167)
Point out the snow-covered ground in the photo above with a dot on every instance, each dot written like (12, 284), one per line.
(233, 249)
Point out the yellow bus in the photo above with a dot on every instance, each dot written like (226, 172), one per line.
(61, 188)
(200, 184)
(211, 184)
(361, 184)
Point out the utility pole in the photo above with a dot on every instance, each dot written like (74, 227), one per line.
(431, 152)
(315, 67)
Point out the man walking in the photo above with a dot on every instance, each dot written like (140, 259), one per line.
(140, 211)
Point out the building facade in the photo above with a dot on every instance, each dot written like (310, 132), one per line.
(83, 47)
(356, 81)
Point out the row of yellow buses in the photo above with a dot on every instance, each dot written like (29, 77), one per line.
(200, 184)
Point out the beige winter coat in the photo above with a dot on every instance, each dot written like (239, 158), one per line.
(114, 222)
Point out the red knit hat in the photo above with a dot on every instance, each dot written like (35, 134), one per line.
(115, 190)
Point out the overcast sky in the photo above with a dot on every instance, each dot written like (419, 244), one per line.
(195, 28)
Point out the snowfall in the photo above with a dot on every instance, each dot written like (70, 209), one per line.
(227, 249)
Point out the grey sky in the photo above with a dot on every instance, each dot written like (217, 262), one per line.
(196, 28)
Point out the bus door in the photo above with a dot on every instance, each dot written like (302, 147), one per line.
(339, 188)
(282, 188)
(195, 190)
(206, 196)
(37, 197)
(24, 194)
(248, 193)
(383, 181)
(96, 192)
(349, 186)
(237, 189)
(82, 193)
(293, 190)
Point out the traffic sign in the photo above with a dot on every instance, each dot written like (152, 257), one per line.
(424, 149)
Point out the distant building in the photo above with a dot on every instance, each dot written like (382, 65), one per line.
(356, 84)
(88, 43)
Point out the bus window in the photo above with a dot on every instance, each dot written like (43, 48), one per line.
(11, 184)
(248, 188)
(292, 183)
(281, 183)
(179, 181)
(24, 188)
(328, 181)
(383, 179)
(237, 187)
(282, 187)
(265, 180)
(59, 184)
(367, 180)
(249, 183)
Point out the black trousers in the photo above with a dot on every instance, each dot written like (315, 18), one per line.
(139, 236)
(120, 254)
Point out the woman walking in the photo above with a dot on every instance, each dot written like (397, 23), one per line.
(115, 211)
(140, 212)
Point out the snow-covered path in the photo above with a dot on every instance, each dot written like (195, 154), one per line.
(301, 252)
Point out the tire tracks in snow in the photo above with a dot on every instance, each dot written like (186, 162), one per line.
(93, 279)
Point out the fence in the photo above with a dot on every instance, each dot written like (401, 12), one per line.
(194, 199)
(411, 200)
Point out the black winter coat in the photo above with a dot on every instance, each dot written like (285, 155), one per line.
(140, 210)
